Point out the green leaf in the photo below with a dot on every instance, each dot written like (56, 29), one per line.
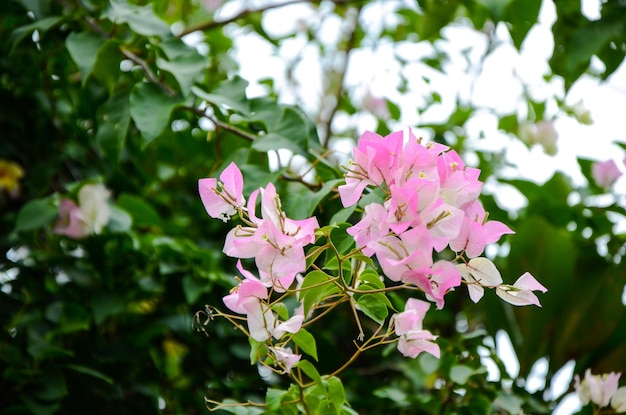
(106, 68)
(300, 202)
(371, 278)
(187, 68)
(522, 14)
(91, 372)
(150, 109)
(113, 119)
(35, 214)
(306, 342)
(140, 19)
(231, 94)
(336, 391)
(83, 48)
(194, 288)
(310, 370)
(374, 306)
(142, 212)
(42, 25)
(460, 374)
(291, 132)
(316, 286)
(104, 305)
(273, 399)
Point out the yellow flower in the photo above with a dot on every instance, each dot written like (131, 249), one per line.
(10, 175)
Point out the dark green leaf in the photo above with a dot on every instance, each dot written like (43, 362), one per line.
(306, 342)
(150, 109)
(113, 119)
(140, 19)
(142, 212)
(83, 48)
(374, 306)
(310, 370)
(35, 214)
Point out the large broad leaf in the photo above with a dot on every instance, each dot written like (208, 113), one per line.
(522, 14)
(140, 19)
(106, 67)
(299, 202)
(229, 94)
(83, 48)
(113, 119)
(151, 108)
(41, 26)
(186, 68)
(35, 214)
(306, 342)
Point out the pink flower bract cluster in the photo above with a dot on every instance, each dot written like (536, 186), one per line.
(430, 204)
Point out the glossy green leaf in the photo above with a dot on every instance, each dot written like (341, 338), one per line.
(310, 370)
(336, 391)
(150, 109)
(300, 202)
(306, 342)
(522, 14)
(83, 48)
(142, 212)
(41, 25)
(35, 214)
(106, 68)
(374, 306)
(140, 19)
(187, 68)
(229, 94)
(293, 131)
(317, 285)
(113, 120)
(91, 372)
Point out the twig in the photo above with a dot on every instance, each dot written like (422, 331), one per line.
(212, 24)
(350, 35)
(146, 69)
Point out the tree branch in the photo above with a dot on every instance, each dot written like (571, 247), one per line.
(212, 24)
(350, 36)
(148, 72)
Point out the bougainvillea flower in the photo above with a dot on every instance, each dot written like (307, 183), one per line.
(88, 217)
(275, 241)
(521, 293)
(375, 159)
(250, 289)
(286, 357)
(263, 324)
(222, 199)
(476, 232)
(412, 250)
(408, 326)
(70, 222)
(598, 389)
(618, 401)
(372, 227)
(479, 273)
(605, 173)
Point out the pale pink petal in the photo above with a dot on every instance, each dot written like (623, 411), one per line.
(292, 325)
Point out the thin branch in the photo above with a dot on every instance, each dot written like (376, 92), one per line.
(146, 69)
(220, 124)
(350, 36)
(212, 24)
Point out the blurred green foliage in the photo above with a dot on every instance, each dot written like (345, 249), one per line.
(106, 91)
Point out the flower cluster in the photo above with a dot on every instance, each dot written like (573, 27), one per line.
(601, 390)
(428, 202)
(87, 217)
